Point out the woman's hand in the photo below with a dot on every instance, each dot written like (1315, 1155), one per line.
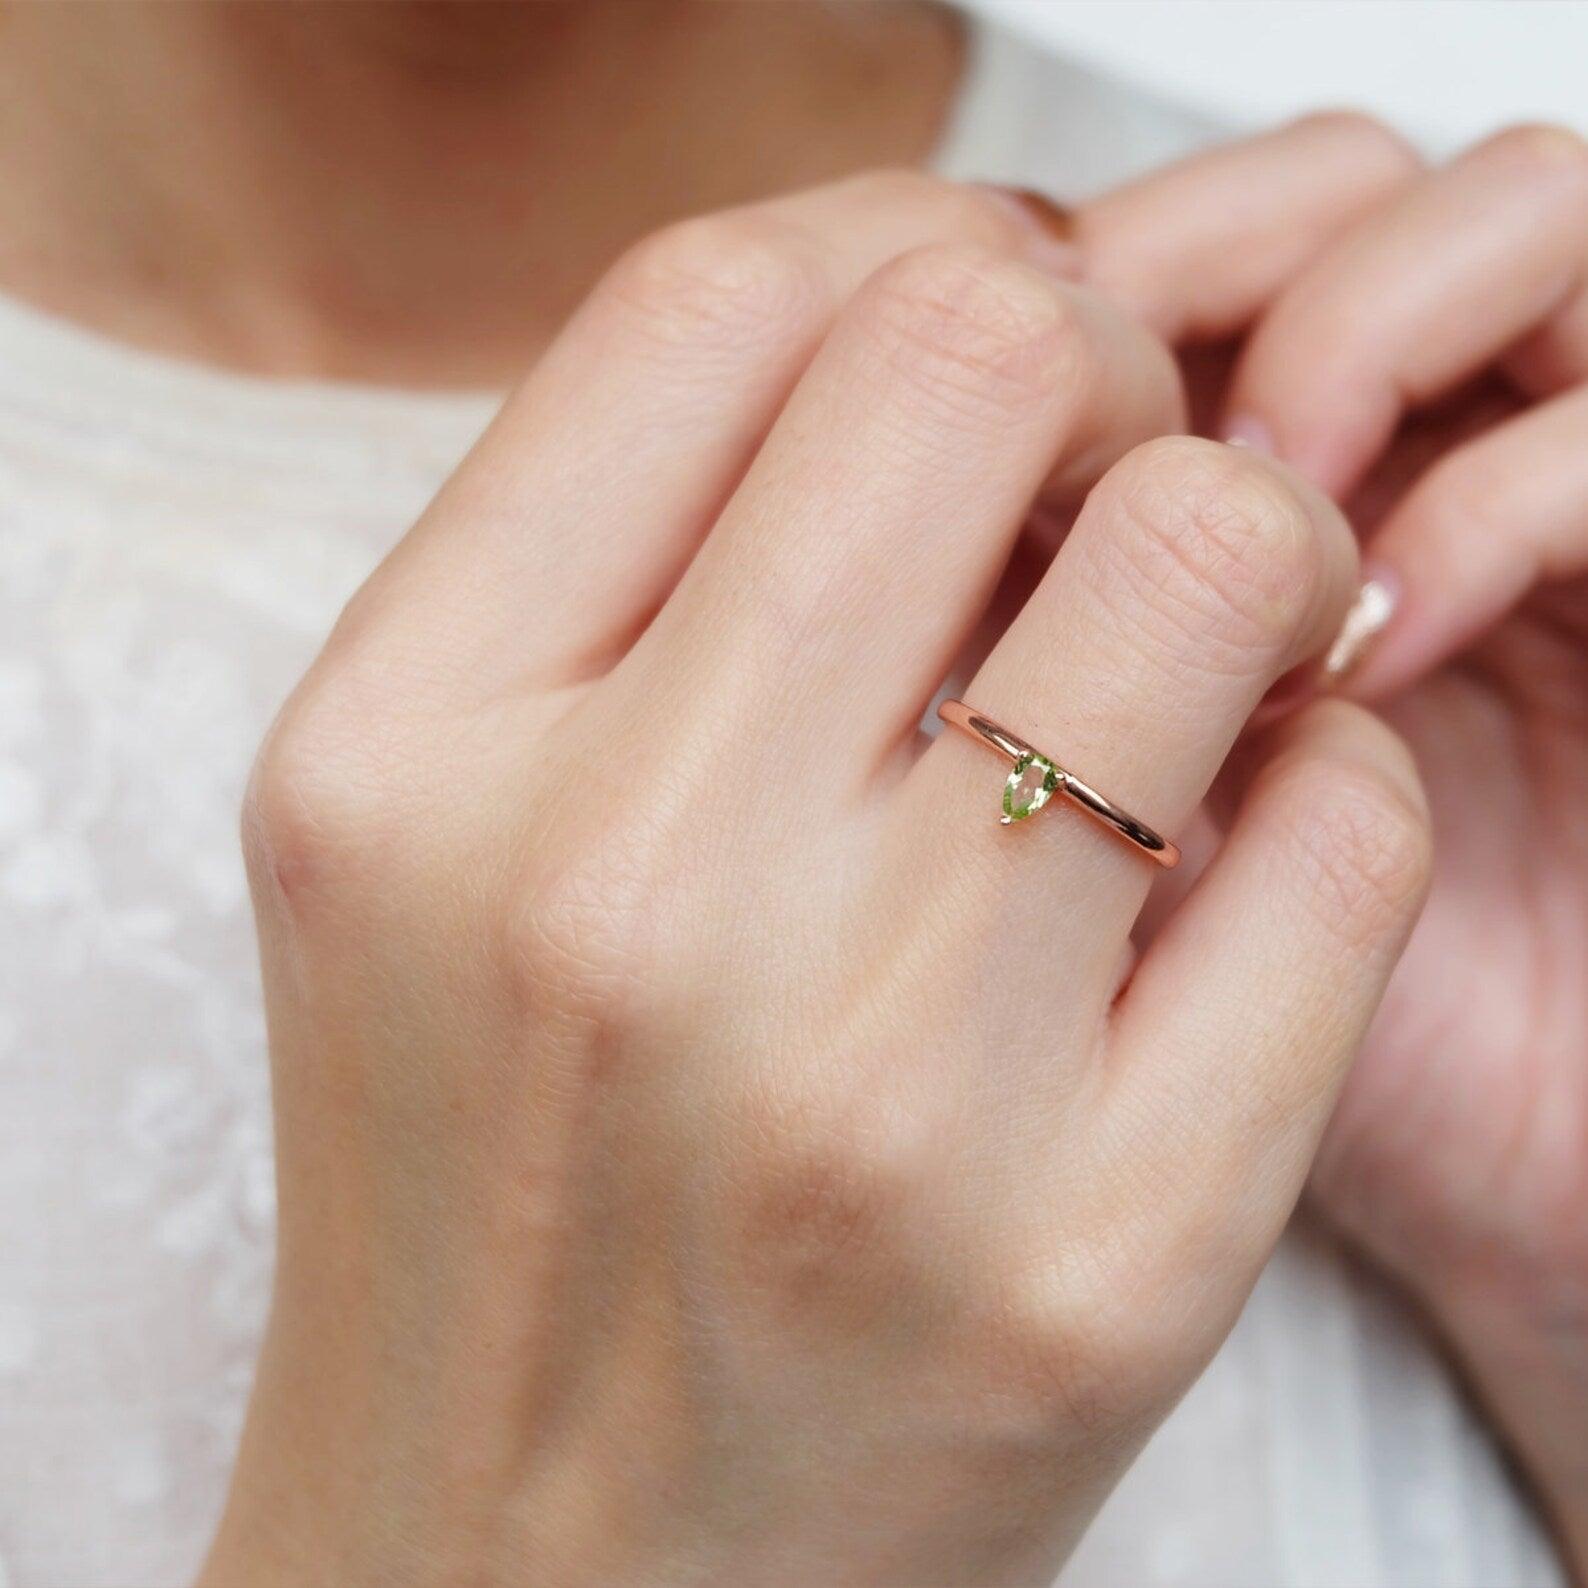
(711, 1147)
(1460, 1154)
(1429, 366)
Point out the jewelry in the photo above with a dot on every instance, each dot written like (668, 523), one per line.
(1035, 779)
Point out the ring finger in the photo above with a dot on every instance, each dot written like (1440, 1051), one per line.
(1195, 576)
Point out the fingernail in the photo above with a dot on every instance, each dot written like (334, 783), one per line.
(1246, 430)
(1049, 224)
(1368, 616)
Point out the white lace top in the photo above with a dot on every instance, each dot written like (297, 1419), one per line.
(174, 543)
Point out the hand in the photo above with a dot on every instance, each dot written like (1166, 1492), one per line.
(710, 1147)
(1430, 366)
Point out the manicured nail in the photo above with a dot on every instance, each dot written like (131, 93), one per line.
(1050, 225)
(1246, 430)
(1366, 619)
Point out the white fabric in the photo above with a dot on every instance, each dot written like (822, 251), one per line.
(1445, 74)
(173, 544)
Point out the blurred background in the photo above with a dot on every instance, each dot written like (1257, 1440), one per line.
(1445, 71)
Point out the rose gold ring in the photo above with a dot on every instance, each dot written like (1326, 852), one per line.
(1035, 779)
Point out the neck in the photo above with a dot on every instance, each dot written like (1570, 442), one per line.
(415, 192)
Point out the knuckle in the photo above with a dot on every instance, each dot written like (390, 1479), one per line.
(581, 929)
(713, 280)
(1215, 543)
(1081, 1346)
(321, 807)
(1374, 141)
(1364, 844)
(967, 327)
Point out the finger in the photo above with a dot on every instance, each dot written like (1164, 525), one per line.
(1473, 535)
(1244, 1015)
(1195, 576)
(1414, 300)
(586, 497)
(1554, 358)
(855, 558)
(1199, 248)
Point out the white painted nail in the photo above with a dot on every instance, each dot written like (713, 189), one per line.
(1366, 619)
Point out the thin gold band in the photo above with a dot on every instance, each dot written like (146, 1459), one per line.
(958, 715)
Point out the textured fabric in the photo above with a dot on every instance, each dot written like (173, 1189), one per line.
(173, 545)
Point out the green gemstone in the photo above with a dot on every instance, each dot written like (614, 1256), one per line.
(1030, 785)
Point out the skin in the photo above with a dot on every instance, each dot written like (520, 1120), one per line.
(1427, 363)
(1244, 248)
(1459, 1157)
(383, 192)
(722, 1194)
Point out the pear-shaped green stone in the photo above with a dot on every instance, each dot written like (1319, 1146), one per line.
(1030, 785)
